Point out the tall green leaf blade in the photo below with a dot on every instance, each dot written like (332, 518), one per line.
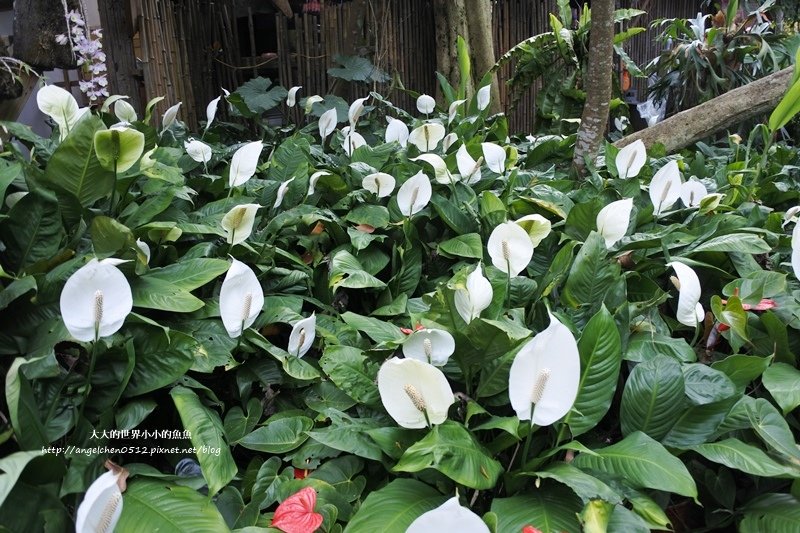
(551, 509)
(74, 166)
(395, 506)
(33, 230)
(190, 274)
(783, 383)
(11, 466)
(644, 463)
(591, 277)
(653, 398)
(207, 436)
(773, 513)
(746, 458)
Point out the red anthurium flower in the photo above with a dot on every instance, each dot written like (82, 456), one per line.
(296, 513)
(409, 331)
(764, 305)
(531, 529)
(301, 473)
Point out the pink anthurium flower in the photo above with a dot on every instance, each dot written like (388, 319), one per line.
(296, 513)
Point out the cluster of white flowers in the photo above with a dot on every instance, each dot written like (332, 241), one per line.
(88, 49)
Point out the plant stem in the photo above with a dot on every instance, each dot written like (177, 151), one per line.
(113, 191)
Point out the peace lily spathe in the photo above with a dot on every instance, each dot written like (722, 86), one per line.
(613, 220)
(101, 507)
(426, 104)
(125, 111)
(198, 150)
(95, 300)
(544, 377)
(510, 248)
(630, 159)
(312, 181)
(474, 297)
(536, 226)
(484, 96)
(355, 111)
(291, 96)
(692, 192)
(380, 183)
(414, 194)
(240, 299)
(145, 249)
(448, 141)
(469, 169)
(440, 172)
(434, 346)
(495, 157)
(690, 312)
(238, 222)
(61, 106)
(450, 516)
(244, 163)
(302, 336)
(397, 131)
(352, 141)
(453, 110)
(282, 190)
(327, 123)
(427, 136)
(796, 251)
(119, 147)
(665, 188)
(211, 111)
(790, 215)
(415, 394)
(170, 116)
(310, 101)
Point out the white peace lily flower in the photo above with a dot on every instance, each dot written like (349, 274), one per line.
(101, 507)
(453, 110)
(450, 516)
(613, 220)
(415, 394)
(544, 377)
(355, 111)
(282, 190)
(240, 299)
(621, 123)
(327, 123)
(125, 111)
(414, 194)
(310, 101)
(425, 104)
(238, 222)
(790, 215)
(244, 163)
(440, 172)
(211, 111)
(291, 97)
(796, 251)
(14, 197)
(495, 157)
(449, 140)
(630, 159)
(380, 183)
(170, 116)
(665, 189)
(484, 96)
(198, 150)
(61, 106)
(302, 336)
(434, 346)
(312, 181)
(688, 285)
(475, 297)
(510, 248)
(692, 192)
(536, 226)
(397, 131)
(352, 141)
(145, 249)
(469, 169)
(95, 300)
(427, 136)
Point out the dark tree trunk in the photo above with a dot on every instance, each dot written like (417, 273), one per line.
(450, 19)
(115, 19)
(481, 43)
(597, 84)
(36, 24)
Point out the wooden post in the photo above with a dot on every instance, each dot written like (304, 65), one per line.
(115, 19)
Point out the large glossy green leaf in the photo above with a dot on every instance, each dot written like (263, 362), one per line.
(32, 232)
(788, 107)
(643, 463)
(783, 383)
(349, 435)
(279, 436)
(454, 451)
(698, 424)
(742, 369)
(394, 507)
(773, 429)
(352, 372)
(160, 359)
(22, 408)
(747, 458)
(600, 349)
(584, 485)
(150, 505)
(469, 245)
(152, 293)
(653, 398)
(207, 436)
(375, 329)
(74, 167)
(11, 466)
(644, 345)
(771, 513)
(592, 275)
(551, 509)
(346, 271)
(746, 243)
(118, 149)
(189, 274)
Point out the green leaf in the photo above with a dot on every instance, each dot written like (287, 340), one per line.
(453, 215)
(153, 505)
(600, 349)
(642, 462)
(279, 436)
(11, 466)
(375, 329)
(746, 243)
(773, 513)
(706, 385)
(341, 473)
(468, 245)
(783, 383)
(653, 398)
(207, 436)
(109, 236)
(551, 509)
(189, 274)
(584, 485)
(773, 429)
(32, 232)
(15, 289)
(746, 458)
(152, 293)
(787, 108)
(591, 277)
(160, 359)
(698, 424)
(349, 435)
(22, 408)
(394, 507)
(118, 149)
(258, 95)
(742, 369)
(346, 271)
(644, 345)
(352, 372)
(8, 173)
(74, 167)
(454, 451)
(237, 424)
